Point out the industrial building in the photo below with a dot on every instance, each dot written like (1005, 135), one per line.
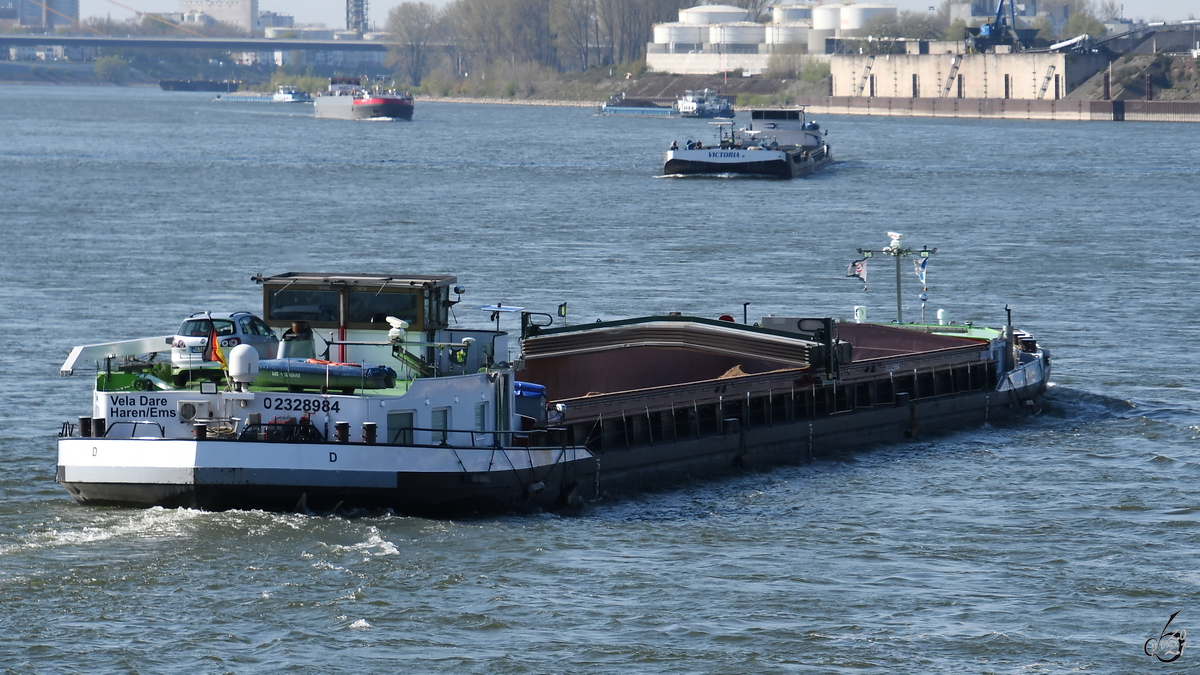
(357, 16)
(994, 61)
(240, 13)
(45, 13)
(720, 38)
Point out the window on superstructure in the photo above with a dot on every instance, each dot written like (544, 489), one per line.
(400, 427)
(481, 416)
(440, 423)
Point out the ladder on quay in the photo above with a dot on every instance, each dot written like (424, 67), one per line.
(1046, 82)
(866, 75)
(954, 63)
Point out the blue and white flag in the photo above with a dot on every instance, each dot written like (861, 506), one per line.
(858, 269)
(919, 267)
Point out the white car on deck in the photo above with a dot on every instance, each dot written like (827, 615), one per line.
(190, 349)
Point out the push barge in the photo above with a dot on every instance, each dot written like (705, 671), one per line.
(459, 428)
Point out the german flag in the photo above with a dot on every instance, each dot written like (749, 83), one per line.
(214, 346)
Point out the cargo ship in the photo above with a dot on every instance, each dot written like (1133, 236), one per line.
(704, 103)
(199, 85)
(349, 99)
(461, 426)
(619, 105)
(777, 143)
(284, 94)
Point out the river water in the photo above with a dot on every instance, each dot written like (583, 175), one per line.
(1059, 544)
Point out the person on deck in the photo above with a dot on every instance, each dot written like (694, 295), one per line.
(300, 330)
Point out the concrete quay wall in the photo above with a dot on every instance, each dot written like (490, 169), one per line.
(1022, 109)
(1044, 76)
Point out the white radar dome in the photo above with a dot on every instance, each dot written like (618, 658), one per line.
(243, 364)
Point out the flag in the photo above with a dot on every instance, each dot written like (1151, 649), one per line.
(919, 267)
(214, 346)
(858, 269)
(562, 309)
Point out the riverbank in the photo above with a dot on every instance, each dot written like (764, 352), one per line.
(506, 101)
(1022, 109)
(749, 92)
(972, 108)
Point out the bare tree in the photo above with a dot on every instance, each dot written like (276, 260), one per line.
(474, 29)
(572, 21)
(1108, 9)
(414, 25)
(1079, 6)
(910, 25)
(556, 33)
(525, 25)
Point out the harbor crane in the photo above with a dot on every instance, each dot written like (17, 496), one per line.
(1001, 30)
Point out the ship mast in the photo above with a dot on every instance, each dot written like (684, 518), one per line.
(898, 251)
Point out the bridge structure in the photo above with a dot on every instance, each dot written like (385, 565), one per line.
(215, 43)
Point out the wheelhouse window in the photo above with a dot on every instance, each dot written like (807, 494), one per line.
(775, 114)
(294, 304)
(356, 302)
(369, 307)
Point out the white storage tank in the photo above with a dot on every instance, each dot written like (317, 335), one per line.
(816, 40)
(705, 15)
(788, 33)
(789, 13)
(826, 17)
(671, 33)
(855, 17)
(741, 33)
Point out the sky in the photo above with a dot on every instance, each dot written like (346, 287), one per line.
(332, 13)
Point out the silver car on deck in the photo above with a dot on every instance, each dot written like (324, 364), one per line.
(190, 348)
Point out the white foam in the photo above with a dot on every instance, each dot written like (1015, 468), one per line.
(156, 521)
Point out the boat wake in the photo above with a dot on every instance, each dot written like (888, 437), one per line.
(739, 176)
(1083, 406)
(1108, 419)
(118, 524)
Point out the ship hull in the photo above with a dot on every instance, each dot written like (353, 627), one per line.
(637, 111)
(730, 447)
(303, 477)
(198, 85)
(710, 114)
(793, 163)
(351, 108)
(218, 475)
